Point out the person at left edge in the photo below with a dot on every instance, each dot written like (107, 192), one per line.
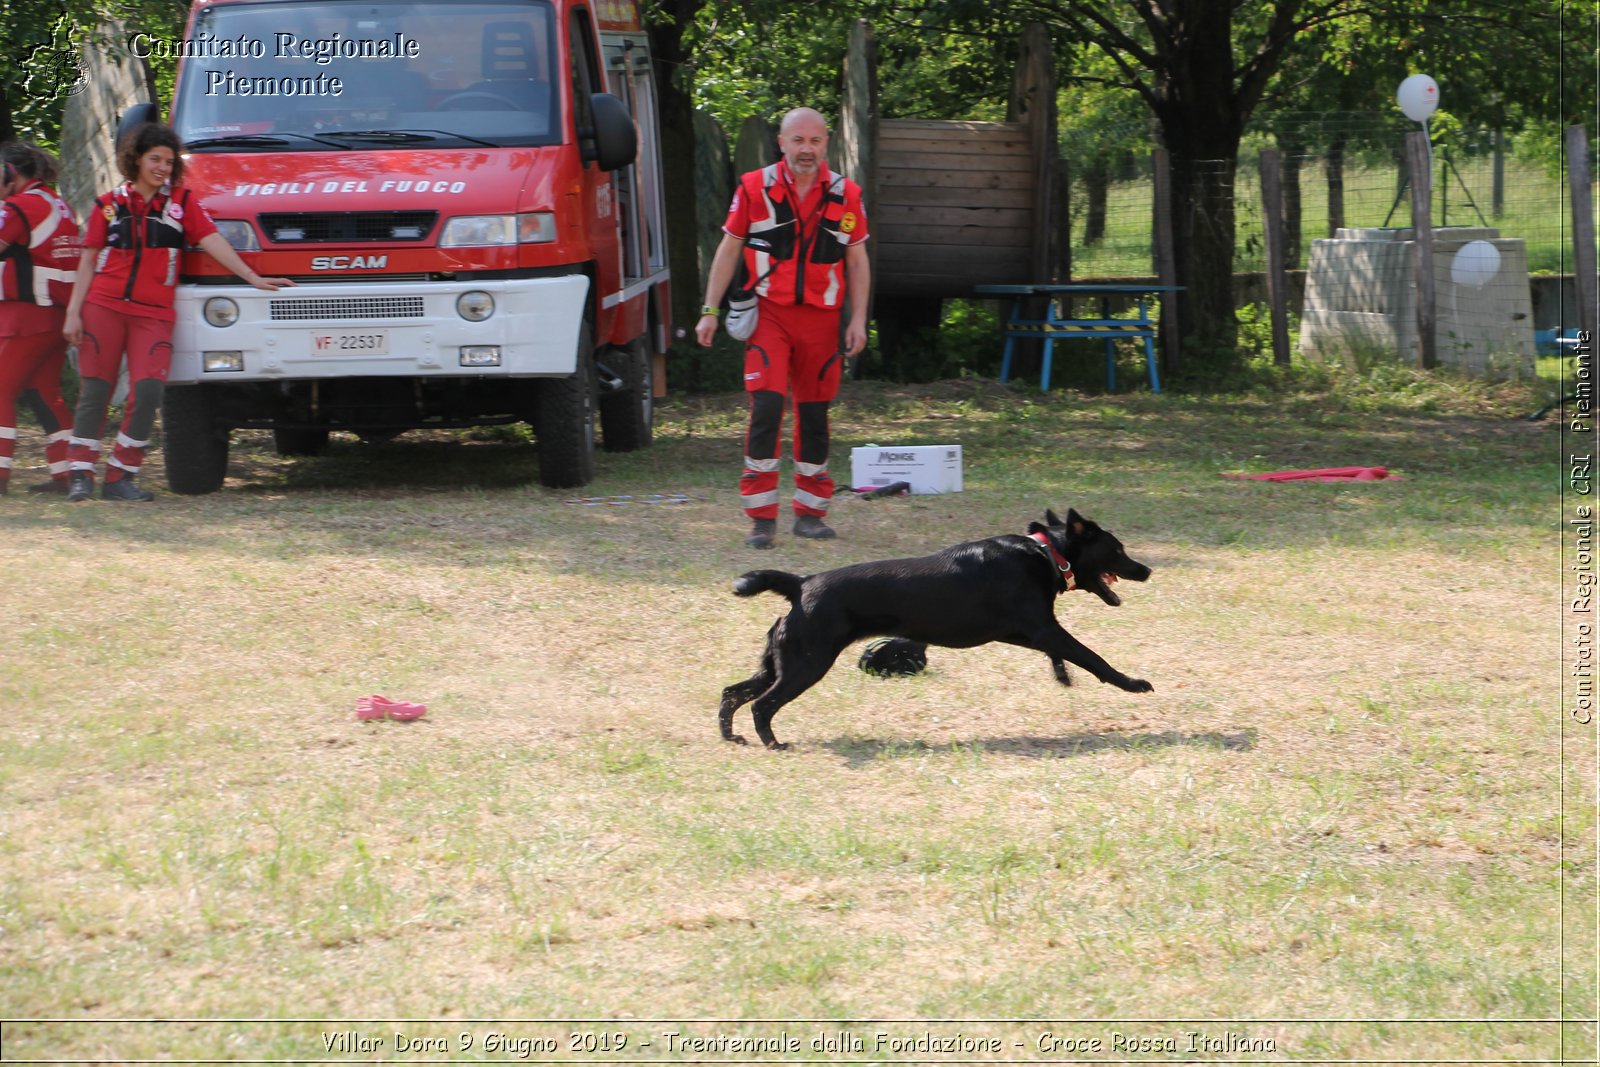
(38, 251)
(122, 303)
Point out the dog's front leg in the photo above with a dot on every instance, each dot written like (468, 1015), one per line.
(1062, 674)
(1060, 645)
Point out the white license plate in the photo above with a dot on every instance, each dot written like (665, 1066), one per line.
(352, 343)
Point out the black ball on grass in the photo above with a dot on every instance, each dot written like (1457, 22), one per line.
(891, 656)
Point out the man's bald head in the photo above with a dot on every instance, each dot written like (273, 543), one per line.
(803, 140)
(802, 115)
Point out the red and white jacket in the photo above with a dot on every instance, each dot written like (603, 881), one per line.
(795, 251)
(41, 250)
(141, 243)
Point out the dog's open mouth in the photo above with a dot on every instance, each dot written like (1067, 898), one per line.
(1102, 588)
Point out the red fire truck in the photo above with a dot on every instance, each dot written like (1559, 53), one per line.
(467, 193)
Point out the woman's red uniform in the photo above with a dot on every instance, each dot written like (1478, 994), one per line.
(129, 310)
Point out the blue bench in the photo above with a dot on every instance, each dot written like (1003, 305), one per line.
(1555, 342)
(1061, 323)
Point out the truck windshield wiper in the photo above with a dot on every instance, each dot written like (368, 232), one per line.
(253, 140)
(405, 136)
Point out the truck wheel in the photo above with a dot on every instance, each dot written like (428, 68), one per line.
(627, 417)
(566, 423)
(299, 442)
(195, 441)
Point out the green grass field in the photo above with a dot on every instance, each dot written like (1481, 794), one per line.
(1352, 823)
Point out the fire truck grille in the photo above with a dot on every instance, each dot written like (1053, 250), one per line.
(347, 307)
(337, 227)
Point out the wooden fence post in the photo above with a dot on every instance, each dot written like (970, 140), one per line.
(1583, 236)
(856, 144)
(1277, 277)
(1033, 103)
(1166, 263)
(1422, 228)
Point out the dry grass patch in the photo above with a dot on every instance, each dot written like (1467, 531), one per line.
(1342, 801)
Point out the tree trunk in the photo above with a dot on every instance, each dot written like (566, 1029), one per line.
(1096, 185)
(1335, 187)
(1293, 155)
(674, 85)
(1203, 243)
(8, 127)
(1202, 121)
(1203, 171)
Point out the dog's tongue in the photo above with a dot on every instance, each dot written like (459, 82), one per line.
(1111, 579)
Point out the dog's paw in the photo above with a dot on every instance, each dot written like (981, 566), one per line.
(1138, 685)
(737, 739)
(778, 746)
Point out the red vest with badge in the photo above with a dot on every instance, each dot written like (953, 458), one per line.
(798, 260)
(39, 269)
(139, 261)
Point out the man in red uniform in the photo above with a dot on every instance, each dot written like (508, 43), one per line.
(800, 231)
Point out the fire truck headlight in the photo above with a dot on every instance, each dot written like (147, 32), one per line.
(476, 231)
(536, 227)
(221, 311)
(480, 356)
(222, 361)
(240, 234)
(475, 306)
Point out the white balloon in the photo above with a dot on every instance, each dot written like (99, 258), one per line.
(1418, 97)
(1475, 264)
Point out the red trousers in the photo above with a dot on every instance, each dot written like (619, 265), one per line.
(796, 351)
(34, 361)
(147, 342)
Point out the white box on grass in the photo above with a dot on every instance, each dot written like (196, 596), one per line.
(928, 468)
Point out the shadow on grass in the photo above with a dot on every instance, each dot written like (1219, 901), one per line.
(410, 464)
(858, 751)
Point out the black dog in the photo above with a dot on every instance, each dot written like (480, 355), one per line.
(998, 589)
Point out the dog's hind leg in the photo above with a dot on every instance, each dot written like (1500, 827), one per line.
(739, 694)
(735, 697)
(798, 670)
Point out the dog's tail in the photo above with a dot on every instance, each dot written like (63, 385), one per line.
(781, 582)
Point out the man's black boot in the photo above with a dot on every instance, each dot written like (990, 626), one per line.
(124, 489)
(762, 532)
(812, 527)
(80, 486)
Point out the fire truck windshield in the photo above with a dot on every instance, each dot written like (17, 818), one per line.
(469, 72)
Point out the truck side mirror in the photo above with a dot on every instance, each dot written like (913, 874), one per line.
(136, 116)
(616, 140)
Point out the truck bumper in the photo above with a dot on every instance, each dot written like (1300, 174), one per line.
(393, 329)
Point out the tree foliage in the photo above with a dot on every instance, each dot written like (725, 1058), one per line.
(1204, 68)
(43, 36)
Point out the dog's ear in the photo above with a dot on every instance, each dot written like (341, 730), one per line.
(1077, 522)
(1037, 527)
(1050, 518)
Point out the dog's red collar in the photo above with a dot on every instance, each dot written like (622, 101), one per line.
(1057, 558)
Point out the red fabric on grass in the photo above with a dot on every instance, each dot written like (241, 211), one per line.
(1324, 474)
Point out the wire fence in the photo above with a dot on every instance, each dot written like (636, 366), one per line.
(1502, 226)
(1522, 199)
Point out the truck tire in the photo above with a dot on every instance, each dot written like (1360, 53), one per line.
(565, 423)
(627, 416)
(195, 442)
(299, 441)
